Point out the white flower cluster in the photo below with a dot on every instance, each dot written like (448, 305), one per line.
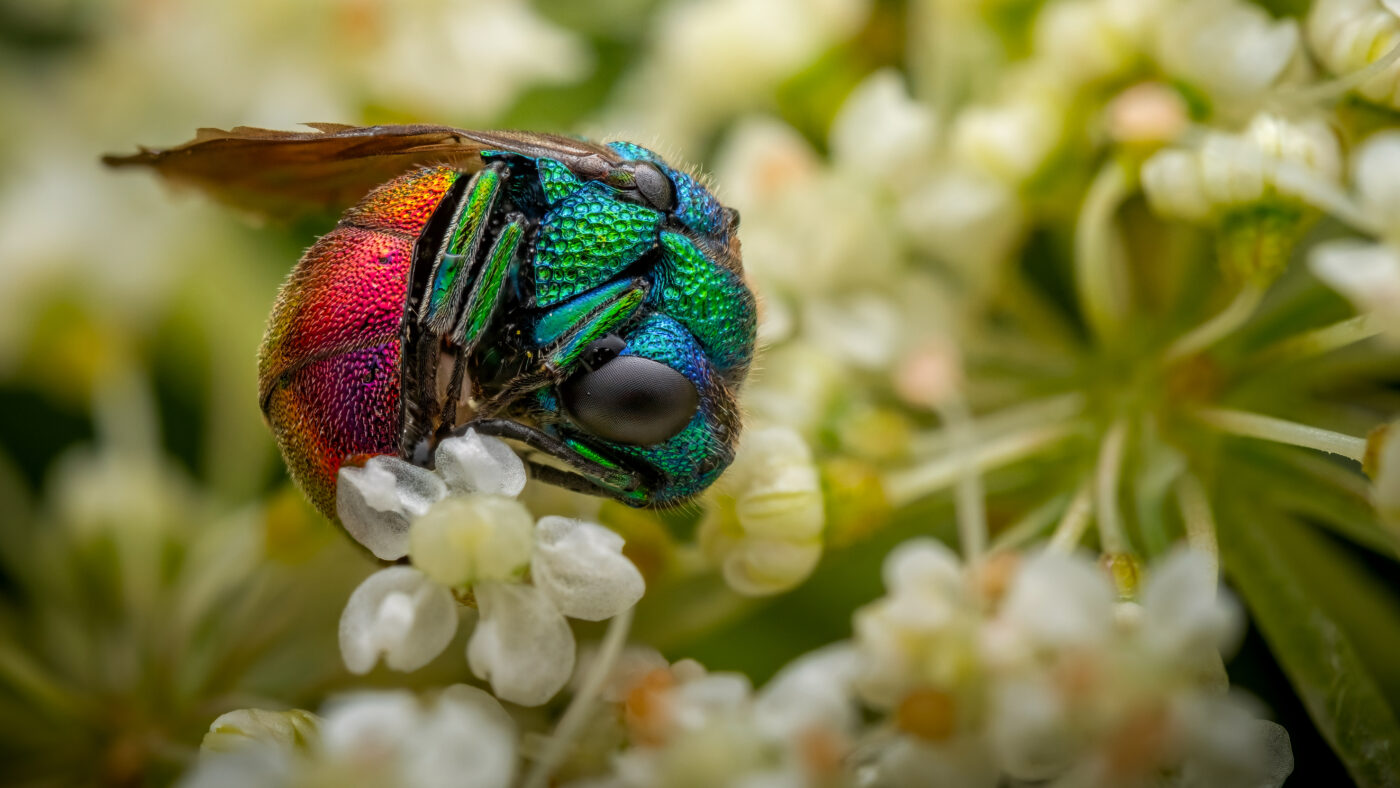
(1032, 669)
(1027, 669)
(1271, 159)
(465, 534)
(764, 518)
(461, 738)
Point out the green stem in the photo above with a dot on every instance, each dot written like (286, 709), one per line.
(906, 486)
(1030, 525)
(1106, 476)
(1319, 341)
(1254, 425)
(577, 714)
(1200, 522)
(1236, 314)
(1070, 531)
(969, 502)
(1097, 276)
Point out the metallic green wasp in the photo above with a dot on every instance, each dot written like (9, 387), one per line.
(586, 301)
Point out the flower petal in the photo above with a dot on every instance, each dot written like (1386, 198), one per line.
(1060, 601)
(399, 614)
(522, 644)
(466, 740)
(376, 503)
(477, 463)
(1182, 612)
(580, 566)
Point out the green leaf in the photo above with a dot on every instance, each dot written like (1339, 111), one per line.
(1275, 562)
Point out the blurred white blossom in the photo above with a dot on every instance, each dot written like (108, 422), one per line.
(459, 737)
(1025, 668)
(1368, 273)
(710, 59)
(1230, 49)
(764, 518)
(1272, 158)
(1347, 36)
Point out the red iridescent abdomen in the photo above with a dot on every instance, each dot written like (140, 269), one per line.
(328, 370)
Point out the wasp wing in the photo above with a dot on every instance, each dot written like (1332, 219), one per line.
(286, 173)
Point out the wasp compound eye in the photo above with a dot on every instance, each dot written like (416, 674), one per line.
(653, 185)
(631, 400)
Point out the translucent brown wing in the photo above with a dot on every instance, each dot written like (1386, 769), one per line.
(285, 173)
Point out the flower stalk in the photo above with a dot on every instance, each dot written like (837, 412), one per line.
(1254, 425)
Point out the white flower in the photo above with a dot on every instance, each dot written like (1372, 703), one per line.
(1092, 40)
(581, 567)
(1227, 171)
(1346, 36)
(477, 463)
(1366, 273)
(966, 218)
(473, 537)
(502, 47)
(882, 134)
(242, 728)
(1059, 601)
(922, 632)
(522, 645)
(1011, 140)
(479, 540)
(464, 738)
(765, 516)
(711, 58)
(376, 503)
(461, 738)
(815, 690)
(1182, 612)
(1231, 49)
(399, 614)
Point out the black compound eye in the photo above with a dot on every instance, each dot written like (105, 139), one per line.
(654, 186)
(631, 400)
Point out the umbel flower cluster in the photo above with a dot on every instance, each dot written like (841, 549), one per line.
(1079, 343)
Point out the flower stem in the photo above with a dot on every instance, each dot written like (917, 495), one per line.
(1031, 524)
(1200, 522)
(969, 504)
(1050, 410)
(1333, 89)
(1106, 475)
(1254, 425)
(1070, 530)
(577, 714)
(1096, 275)
(903, 487)
(1220, 326)
(1319, 341)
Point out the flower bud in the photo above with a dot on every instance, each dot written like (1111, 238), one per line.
(469, 538)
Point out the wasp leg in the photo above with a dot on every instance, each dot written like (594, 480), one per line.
(613, 481)
(581, 484)
(591, 318)
(435, 300)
